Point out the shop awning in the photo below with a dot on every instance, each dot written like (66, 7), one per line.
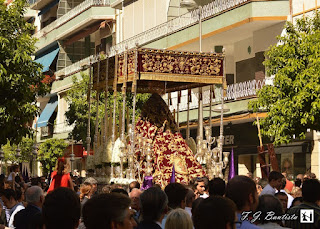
(48, 7)
(46, 58)
(48, 111)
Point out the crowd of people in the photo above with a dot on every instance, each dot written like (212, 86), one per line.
(68, 202)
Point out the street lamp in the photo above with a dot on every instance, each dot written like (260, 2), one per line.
(18, 152)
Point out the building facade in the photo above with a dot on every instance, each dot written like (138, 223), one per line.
(70, 32)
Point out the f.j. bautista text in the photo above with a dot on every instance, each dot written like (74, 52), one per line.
(269, 216)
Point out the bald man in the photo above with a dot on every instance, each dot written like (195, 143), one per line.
(135, 202)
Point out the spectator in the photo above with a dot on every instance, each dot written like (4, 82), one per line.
(296, 192)
(190, 197)
(275, 182)
(200, 185)
(296, 201)
(217, 187)
(262, 183)
(269, 203)
(283, 190)
(178, 219)
(135, 202)
(215, 212)
(134, 184)
(289, 184)
(9, 198)
(311, 195)
(297, 183)
(195, 205)
(120, 190)
(108, 211)
(154, 205)
(242, 190)
(94, 183)
(30, 217)
(60, 177)
(176, 194)
(283, 198)
(85, 193)
(61, 209)
(14, 172)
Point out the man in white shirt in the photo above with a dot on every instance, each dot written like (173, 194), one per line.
(275, 182)
(9, 199)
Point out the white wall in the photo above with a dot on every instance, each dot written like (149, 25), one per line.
(262, 39)
(142, 15)
(241, 50)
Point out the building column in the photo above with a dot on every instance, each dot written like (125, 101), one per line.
(315, 159)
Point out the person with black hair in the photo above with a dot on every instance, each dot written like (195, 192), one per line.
(243, 192)
(296, 201)
(311, 195)
(215, 212)
(217, 187)
(120, 190)
(275, 183)
(154, 206)
(190, 197)
(176, 194)
(61, 209)
(267, 204)
(108, 211)
(9, 198)
(283, 198)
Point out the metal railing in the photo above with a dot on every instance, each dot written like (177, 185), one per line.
(186, 20)
(71, 14)
(62, 128)
(76, 67)
(235, 91)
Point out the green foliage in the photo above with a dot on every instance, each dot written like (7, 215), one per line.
(49, 152)
(78, 107)
(293, 101)
(20, 76)
(26, 151)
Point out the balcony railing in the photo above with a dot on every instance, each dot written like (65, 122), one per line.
(242, 90)
(186, 20)
(71, 14)
(76, 67)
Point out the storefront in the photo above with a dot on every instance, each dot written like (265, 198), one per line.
(242, 138)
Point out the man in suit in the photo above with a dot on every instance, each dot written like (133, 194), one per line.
(30, 217)
(153, 206)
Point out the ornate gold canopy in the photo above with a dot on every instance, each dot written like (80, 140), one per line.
(159, 71)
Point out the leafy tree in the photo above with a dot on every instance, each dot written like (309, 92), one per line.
(20, 77)
(25, 146)
(77, 113)
(293, 101)
(49, 152)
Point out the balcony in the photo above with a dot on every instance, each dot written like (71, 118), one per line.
(234, 92)
(77, 19)
(217, 16)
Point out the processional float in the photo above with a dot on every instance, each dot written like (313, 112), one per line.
(151, 144)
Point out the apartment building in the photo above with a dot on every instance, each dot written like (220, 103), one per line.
(72, 31)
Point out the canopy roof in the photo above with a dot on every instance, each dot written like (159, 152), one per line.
(159, 71)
